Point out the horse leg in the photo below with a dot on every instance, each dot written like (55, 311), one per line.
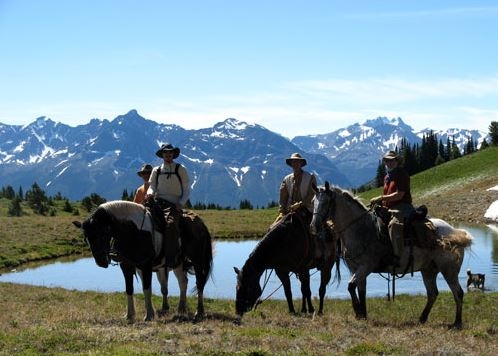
(200, 283)
(451, 277)
(284, 278)
(352, 292)
(325, 275)
(162, 278)
(128, 272)
(358, 300)
(146, 274)
(304, 277)
(181, 276)
(429, 276)
(362, 295)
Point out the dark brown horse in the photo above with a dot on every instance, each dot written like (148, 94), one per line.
(124, 231)
(365, 251)
(287, 247)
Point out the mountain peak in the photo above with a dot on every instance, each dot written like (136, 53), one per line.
(231, 124)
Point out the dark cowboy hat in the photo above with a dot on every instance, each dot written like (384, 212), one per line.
(296, 157)
(146, 169)
(390, 156)
(168, 147)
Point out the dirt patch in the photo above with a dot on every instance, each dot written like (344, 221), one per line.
(462, 204)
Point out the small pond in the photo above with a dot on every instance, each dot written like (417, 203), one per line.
(84, 274)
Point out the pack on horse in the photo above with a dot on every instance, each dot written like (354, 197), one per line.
(366, 250)
(287, 247)
(126, 233)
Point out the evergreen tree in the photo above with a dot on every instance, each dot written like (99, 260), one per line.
(37, 199)
(428, 151)
(67, 206)
(8, 192)
(448, 155)
(92, 201)
(440, 154)
(493, 133)
(379, 177)
(409, 157)
(470, 146)
(126, 196)
(20, 193)
(455, 151)
(245, 204)
(484, 145)
(15, 208)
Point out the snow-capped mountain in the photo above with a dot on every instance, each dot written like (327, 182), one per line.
(227, 163)
(230, 162)
(357, 149)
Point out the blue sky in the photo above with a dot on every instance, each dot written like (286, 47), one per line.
(294, 67)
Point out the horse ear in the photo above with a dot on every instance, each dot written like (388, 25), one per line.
(327, 185)
(77, 224)
(237, 271)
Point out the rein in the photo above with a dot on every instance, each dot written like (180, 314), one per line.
(267, 279)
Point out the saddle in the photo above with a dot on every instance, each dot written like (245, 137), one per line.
(418, 229)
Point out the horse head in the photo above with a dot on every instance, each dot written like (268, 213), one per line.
(97, 234)
(322, 208)
(247, 293)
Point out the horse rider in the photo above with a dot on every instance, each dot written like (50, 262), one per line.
(296, 187)
(170, 188)
(143, 173)
(397, 198)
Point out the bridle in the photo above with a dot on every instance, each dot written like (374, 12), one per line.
(331, 207)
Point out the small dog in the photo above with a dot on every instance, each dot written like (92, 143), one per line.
(475, 280)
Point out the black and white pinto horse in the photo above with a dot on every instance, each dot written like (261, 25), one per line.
(364, 251)
(124, 231)
(287, 247)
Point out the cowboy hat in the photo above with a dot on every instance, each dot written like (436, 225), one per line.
(390, 156)
(295, 157)
(168, 147)
(146, 169)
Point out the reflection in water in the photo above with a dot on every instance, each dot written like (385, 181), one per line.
(83, 274)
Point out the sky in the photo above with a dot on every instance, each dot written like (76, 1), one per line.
(295, 67)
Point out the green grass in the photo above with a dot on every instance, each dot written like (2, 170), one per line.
(39, 320)
(477, 170)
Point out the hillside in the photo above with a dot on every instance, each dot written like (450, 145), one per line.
(456, 190)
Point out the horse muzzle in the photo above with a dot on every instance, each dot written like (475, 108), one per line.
(102, 260)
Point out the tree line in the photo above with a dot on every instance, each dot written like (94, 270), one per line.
(417, 157)
(40, 203)
(430, 153)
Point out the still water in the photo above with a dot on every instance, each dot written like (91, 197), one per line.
(84, 274)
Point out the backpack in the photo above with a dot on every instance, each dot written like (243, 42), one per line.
(177, 166)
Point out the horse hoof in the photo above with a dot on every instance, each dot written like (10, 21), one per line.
(456, 326)
(163, 312)
(198, 317)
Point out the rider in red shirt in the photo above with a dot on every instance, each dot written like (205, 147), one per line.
(397, 198)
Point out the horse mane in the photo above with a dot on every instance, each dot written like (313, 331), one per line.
(350, 197)
(122, 207)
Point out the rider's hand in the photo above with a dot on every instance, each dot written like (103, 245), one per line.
(376, 200)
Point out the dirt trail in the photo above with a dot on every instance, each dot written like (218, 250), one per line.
(463, 204)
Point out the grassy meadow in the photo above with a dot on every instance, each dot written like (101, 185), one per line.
(38, 320)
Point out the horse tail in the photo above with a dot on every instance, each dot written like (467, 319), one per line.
(458, 238)
(208, 252)
(200, 248)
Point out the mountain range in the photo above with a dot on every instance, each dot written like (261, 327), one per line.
(227, 163)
